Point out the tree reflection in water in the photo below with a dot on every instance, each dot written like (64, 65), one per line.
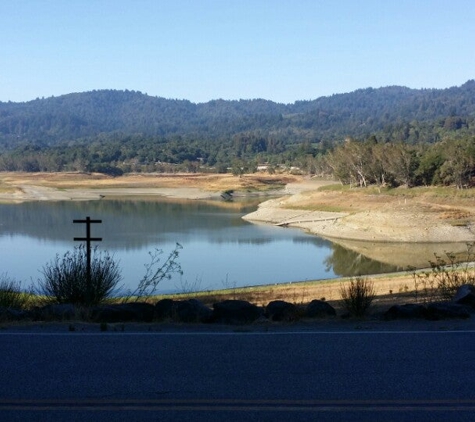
(346, 263)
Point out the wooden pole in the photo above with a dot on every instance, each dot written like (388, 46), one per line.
(88, 239)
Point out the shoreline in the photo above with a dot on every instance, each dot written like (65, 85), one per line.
(411, 221)
(23, 187)
(398, 232)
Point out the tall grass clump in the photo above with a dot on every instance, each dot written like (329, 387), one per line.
(65, 279)
(11, 295)
(446, 275)
(357, 296)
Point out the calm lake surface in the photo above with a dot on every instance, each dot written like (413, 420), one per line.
(220, 250)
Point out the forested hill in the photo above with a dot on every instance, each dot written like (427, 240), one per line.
(392, 113)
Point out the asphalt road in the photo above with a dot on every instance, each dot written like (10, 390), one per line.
(238, 376)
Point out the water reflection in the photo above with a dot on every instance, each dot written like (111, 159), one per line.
(400, 256)
(346, 263)
(220, 249)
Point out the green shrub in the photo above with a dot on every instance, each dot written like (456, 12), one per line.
(357, 296)
(65, 279)
(11, 295)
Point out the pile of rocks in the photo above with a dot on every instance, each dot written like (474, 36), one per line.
(182, 311)
(233, 311)
(461, 306)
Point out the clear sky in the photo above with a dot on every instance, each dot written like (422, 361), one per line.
(280, 50)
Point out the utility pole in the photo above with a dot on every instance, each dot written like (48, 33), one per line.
(88, 239)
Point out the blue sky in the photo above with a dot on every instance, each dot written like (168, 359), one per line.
(280, 50)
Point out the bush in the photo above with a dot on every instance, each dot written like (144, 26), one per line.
(11, 295)
(357, 296)
(66, 279)
(445, 277)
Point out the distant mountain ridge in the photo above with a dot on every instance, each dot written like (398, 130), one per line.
(83, 116)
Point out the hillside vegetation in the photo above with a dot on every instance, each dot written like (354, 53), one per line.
(127, 131)
(394, 111)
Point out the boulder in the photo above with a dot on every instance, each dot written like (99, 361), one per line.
(236, 312)
(280, 310)
(407, 311)
(56, 312)
(12, 314)
(192, 310)
(447, 310)
(319, 309)
(465, 295)
(164, 309)
(124, 312)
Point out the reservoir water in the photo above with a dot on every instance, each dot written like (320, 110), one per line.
(220, 250)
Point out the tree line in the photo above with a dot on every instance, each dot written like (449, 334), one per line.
(450, 161)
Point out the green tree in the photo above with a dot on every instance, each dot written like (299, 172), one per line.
(459, 162)
(402, 163)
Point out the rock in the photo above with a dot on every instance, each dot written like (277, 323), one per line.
(11, 314)
(445, 310)
(56, 312)
(465, 295)
(407, 311)
(164, 309)
(124, 312)
(280, 310)
(192, 310)
(319, 309)
(4, 314)
(236, 312)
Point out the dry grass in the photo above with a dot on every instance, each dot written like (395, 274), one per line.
(7, 190)
(447, 204)
(389, 290)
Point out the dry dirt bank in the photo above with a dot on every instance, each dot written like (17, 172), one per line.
(389, 289)
(357, 216)
(19, 187)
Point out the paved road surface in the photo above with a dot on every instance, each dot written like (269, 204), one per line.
(238, 376)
